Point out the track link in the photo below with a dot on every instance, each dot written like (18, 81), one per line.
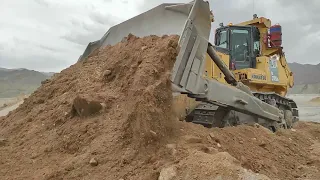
(204, 113)
(280, 102)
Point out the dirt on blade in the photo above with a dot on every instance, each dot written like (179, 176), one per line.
(110, 117)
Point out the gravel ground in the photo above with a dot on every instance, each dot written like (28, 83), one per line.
(308, 111)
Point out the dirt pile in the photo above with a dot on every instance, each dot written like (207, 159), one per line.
(110, 117)
(55, 133)
(315, 100)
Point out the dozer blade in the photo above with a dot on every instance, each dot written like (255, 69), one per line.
(165, 19)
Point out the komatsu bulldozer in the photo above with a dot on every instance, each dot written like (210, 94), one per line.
(241, 78)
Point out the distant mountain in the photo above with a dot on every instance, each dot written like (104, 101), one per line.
(305, 73)
(4, 69)
(305, 89)
(306, 78)
(14, 82)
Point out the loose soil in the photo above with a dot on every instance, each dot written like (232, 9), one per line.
(110, 117)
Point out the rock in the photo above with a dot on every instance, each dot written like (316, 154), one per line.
(212, 150)
(45, 81)
(219, 145)
(241, 142)
(172, 148)
(204, 149)
(106, 73)
(5, 105)
(211, 135)
(84, 108)
(300, 167)
(209, 138)
(274, 169)
(214, 138)
(296, 175)
(195, 176)
(256, 125)
(103, 105)
(144, 48)
(3, 141)
(263, 144)
(168, 173)
(40, 101)
(192, 139)
(243, 159)
(154, 134)
(93, 162)
(34, 155)
(293, 130)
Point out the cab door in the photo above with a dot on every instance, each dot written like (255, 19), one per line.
(240, 47)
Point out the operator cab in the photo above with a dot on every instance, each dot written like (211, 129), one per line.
(242, 43)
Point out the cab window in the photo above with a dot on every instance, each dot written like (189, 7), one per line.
(256, 42)
(222, 39)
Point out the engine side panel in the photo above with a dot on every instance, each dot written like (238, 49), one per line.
(269, 76)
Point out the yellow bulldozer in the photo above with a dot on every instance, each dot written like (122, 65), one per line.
(241, 78)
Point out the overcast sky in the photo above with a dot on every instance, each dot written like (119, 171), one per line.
(50, 35)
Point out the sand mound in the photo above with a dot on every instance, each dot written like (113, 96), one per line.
(110, 117)
(315, 100)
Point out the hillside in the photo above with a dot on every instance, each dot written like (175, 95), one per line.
(14, 82)
(306, 89)
(305, 73)
(306, 78)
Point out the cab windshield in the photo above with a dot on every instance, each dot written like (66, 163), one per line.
(239, 44)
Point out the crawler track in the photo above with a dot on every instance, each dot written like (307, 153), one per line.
(204, 112)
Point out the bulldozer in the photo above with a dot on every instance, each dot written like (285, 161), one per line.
(240, 78)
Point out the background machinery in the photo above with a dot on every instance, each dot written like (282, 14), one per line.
(241, 79)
